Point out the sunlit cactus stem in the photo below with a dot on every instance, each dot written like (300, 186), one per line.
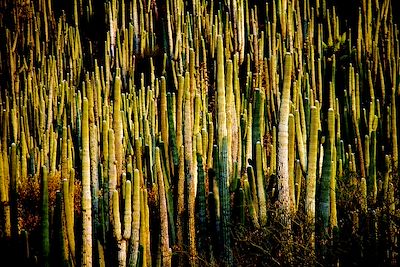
(4, 195)
(312, 172)
(118, 128)
(201, 132)
(134, 241)
(68, 217)
(127, 222)
(283, 145)
(116, 216)
(86, 192)
(188, 144)
(180, 202)
(164, 239)
(291, 158)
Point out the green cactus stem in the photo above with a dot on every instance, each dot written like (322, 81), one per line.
(45, 219)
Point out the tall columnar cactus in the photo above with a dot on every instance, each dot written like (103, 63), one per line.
(94, 162)
(180, 201)
(68, 211)
(221, 105)
(60, 248)
(395, 148)
(117, 232)
(230, 101)
(45, 219)
(223, 161)
(165, 249)
(127, 224)
(134, 241)
(225, 205)
(291, 158)
(117, 127)
(14, 193)
(4, 191)
(312, 171)
(188, 144)
(261, 186)
(201, 198)
(325, 184)
(372, 181)
(86, 192)
(285, 205)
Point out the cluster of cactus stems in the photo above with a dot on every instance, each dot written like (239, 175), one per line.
(179, 120)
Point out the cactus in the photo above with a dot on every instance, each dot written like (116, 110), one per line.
(45, 219)
(165, 249)
(261, 187)
(201, 199)
(312, 170)
(283, 149)
(60, 249)
(116, 217)
(13, 193)
(86, 192)
(188, 144)
(225, 204)
(136, 204)
(117, 127)
(291, 159)
(68, 209)
(192, 111)
(180, 201)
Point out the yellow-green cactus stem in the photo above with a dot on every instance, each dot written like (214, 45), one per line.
(312, 171)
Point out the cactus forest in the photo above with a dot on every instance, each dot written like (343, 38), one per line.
(199, 133)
